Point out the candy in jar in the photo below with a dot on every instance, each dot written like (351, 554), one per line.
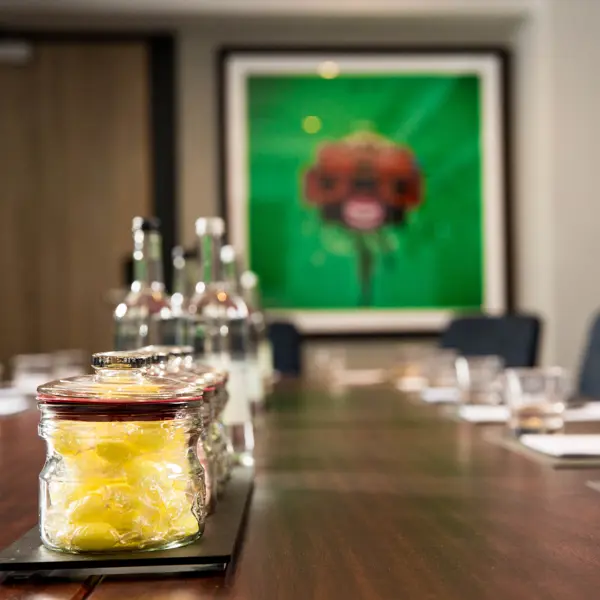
(122, 471)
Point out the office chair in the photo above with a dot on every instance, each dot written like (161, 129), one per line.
(287, 348)
(513, 337)
(589, 374)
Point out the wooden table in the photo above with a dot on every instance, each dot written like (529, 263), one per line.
(365, 495)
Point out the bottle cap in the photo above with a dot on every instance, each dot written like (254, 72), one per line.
(210, 226)
(145, 224)
(121, 360)
(249, 280)
(178, 257)
(228, 254)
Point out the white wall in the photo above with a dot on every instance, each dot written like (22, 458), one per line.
(557, 81)
(575, 55)
(533, 214)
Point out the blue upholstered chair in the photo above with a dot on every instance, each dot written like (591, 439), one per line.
(513, 337)
(589, 374)
(287, 348)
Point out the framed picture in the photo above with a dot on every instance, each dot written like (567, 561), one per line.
(368, 189)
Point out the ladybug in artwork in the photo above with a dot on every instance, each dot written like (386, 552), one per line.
(364, 181)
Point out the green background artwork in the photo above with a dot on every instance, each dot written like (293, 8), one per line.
(434, 260)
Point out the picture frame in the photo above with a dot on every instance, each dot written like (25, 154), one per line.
(461, 256)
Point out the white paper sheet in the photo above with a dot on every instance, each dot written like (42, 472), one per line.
(588, 412)
(564, 445)
(440, 395)
(500, 414)
(475, 413)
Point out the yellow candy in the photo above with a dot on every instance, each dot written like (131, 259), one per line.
(88, 462)
(88, 509)
(67, 443)
(114, 452)
(146, 473)
(186, 525)
(123, 495)
(121, 520)
(94, 537)
(90, 485)
(176, 505)
(149, 437)
(126, 486)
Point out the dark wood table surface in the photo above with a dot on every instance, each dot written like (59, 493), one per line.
(367, 494)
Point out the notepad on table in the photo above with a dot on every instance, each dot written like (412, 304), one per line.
(586, 412)
(563, 445)
(440, 395)
(480, 413)
(499, 414)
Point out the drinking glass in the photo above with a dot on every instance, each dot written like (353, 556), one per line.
(479, 379)
(410, 368)
(30, 371)
(536, 398)
(68, 363)
(329, 364)
(440, 369)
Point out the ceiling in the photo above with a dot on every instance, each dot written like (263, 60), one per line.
(53, 10)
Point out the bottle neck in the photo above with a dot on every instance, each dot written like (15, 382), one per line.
(179, 279)
(147, 261)
(250, 296)
(249, 289)
(231, 275)
(209, 259)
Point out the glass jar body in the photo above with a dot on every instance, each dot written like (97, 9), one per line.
(120, 479)
(220, 441)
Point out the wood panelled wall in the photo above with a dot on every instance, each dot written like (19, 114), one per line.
(74, 170)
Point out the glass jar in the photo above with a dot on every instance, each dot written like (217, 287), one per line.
(220, 444)
(122, 471)
(177, 362)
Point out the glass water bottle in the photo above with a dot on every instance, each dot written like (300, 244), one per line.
(232, 272)
(250, 291)
(221, 336)
(144, 317)
(180, 299)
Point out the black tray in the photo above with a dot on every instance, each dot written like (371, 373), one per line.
(213, 552)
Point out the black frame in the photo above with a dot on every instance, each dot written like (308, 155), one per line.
(162, 96)
(505, 60)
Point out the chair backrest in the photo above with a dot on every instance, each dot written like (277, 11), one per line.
(287, 348)
(589, 373)
(513, 337)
